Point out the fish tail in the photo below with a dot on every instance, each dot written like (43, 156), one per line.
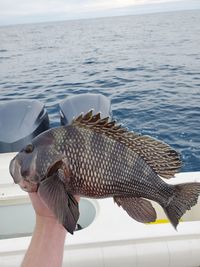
(184, 197)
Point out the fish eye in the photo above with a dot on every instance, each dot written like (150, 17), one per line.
(29, 148)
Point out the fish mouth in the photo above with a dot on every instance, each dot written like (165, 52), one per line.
(15, 171)
(23, 182)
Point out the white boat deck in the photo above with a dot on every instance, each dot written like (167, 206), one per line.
(110, 237)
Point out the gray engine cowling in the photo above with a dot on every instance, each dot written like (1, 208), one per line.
(73, 106)
(20, 121)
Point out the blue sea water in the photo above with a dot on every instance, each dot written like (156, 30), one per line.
(148, 65)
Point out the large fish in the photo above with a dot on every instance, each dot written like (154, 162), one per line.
(97, 158)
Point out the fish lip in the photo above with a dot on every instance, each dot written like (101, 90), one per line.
(15, 170)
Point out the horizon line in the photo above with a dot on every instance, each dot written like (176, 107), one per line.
(44, 18)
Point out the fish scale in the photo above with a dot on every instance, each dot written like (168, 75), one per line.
(119, 174)
(97, 158)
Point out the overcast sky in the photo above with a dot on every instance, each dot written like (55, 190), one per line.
(25, 11)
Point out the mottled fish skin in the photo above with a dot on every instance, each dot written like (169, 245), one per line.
(96, 158)
(102, 167)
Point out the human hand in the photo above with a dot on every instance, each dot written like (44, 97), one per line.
(41, 208)
(48, 239)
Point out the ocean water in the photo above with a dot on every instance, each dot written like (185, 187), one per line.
(148, 65)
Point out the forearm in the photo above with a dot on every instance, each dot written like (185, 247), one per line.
(47, 244)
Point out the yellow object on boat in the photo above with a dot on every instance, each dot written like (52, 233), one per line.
(159, 221)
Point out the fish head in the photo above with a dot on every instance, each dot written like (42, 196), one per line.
(32, 164)
(23, 169)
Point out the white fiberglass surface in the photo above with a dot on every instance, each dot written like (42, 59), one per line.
(19, 220)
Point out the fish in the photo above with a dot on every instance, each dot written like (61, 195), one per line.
(96, 157)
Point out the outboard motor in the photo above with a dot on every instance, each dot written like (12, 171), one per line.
(20, 122)
(73, 106)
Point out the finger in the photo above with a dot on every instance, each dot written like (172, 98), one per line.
(77, 198)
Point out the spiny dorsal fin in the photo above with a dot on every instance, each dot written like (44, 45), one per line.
(164, 160)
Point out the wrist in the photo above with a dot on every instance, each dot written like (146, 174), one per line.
(49, 223)
(47, 243)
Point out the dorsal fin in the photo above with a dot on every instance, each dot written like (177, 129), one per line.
(163, 159)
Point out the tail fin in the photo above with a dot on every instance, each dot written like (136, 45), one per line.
(185, 196)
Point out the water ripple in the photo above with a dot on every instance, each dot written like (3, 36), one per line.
(150, 71)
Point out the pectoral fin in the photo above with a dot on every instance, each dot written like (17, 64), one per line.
(138, 208)
(59, 165)
(62, 204)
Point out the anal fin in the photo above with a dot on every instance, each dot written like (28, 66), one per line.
(139, 209)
